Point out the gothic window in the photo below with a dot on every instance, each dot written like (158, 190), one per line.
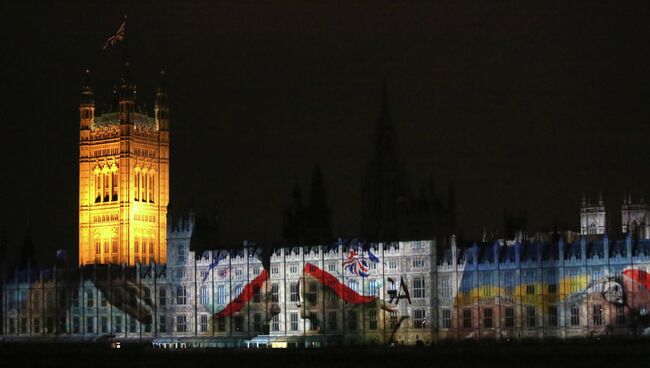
(181, 295)
(510, 317)
(312, 292)
(467, 318)
(293, 292)
(257, 295)
(151, 188)
(143, 186)
(239, 323)
(372, 324)
(204, 323)
(419, 318)
(107, 186)
(294, 321)
(598, 314)
(181, 323)
(352, 320)
(445, 286)
(275, 322)
(575, 315)
(145, 183)
(98, 187)
(418, 287)
(275, 293)
(203, 295)
(487, 317)
(257, 322)
(221, 295)
(530, 316)
(373, 288)
(552, 316)
(115, 185)
(137, 186)
(620, 315)
(446, 318)
(162, 326)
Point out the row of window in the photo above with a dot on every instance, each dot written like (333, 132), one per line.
(106, 152)
(181, 323)
(334, 267)
(222, 297)
(530, 316)
(106, 218)
(144, 186)
(106, 186)
(145, 153)
(418, 317)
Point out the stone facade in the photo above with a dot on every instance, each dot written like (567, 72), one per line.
(123, 179)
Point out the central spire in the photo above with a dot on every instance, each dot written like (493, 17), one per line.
(126, 92)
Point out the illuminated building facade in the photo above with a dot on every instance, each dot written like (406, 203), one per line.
(123, 179)
(344, 293)
(138, 277)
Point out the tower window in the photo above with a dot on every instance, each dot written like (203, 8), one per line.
(98, 187)
(151, 182)
(137, 186)
(115, 185)
(143, 183)
(107, 186)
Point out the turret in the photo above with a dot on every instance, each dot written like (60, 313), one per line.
(161, 107)
(87, 104)
(125, 92)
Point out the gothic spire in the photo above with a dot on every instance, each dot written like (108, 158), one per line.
(161, 107)
(87, 92)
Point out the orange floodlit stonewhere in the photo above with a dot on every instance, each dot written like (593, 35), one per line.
(123, 179)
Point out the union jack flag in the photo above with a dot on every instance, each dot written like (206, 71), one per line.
(120, 35)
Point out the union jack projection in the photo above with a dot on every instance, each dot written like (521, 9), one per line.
(356, 264)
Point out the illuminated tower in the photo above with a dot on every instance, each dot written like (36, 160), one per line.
(592, 217)
(123, 178)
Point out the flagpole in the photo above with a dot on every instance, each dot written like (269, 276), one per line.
(126, 42)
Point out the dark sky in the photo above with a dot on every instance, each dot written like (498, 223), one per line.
(523, 104)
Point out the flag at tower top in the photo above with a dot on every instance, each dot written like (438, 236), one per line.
(120, 35)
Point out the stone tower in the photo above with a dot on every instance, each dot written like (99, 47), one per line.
(123, 178)
(634, 217)
(592, 217)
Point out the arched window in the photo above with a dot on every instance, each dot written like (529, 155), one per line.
(151, 186)
(107, 186)
(116, 182)
(98, 187)
(142, 185)
(137, 185)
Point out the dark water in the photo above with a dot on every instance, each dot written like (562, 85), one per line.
(566, 353)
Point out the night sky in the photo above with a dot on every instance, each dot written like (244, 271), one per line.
(522, 104)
